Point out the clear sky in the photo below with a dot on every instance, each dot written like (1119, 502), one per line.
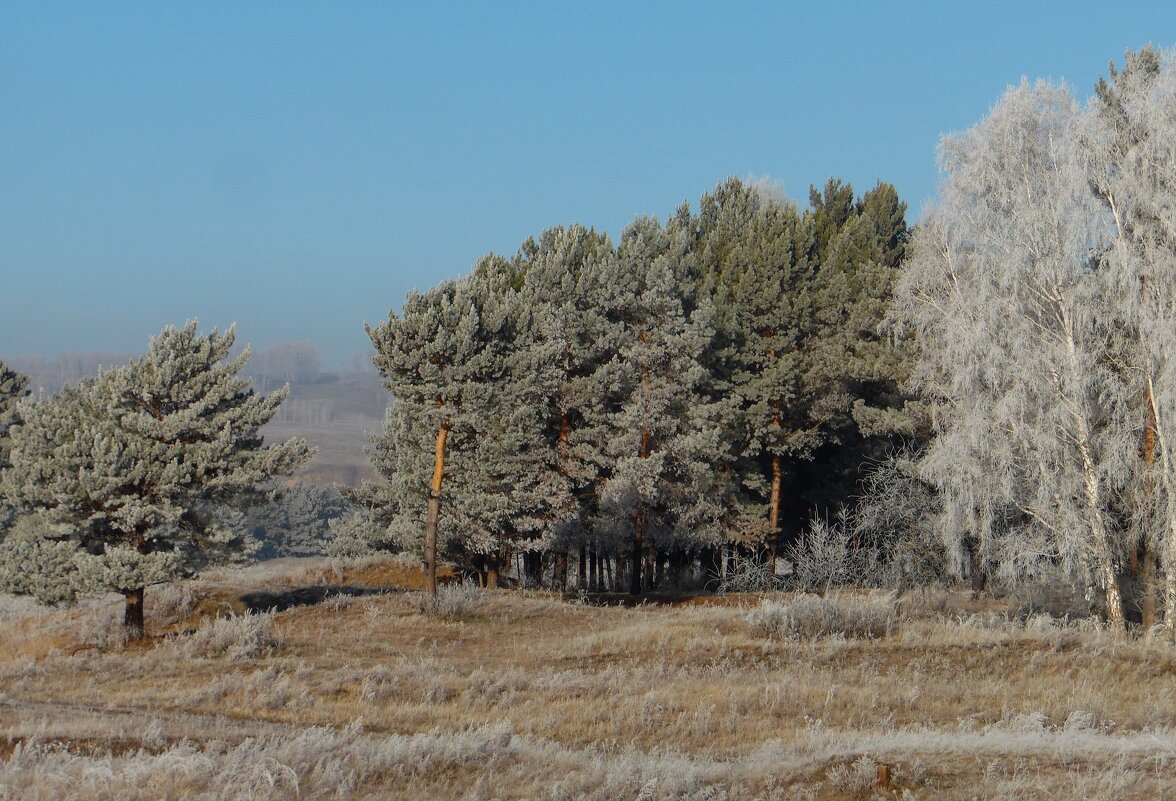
(296, 167)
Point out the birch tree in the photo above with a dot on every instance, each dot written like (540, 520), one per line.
(1017, 332)
(1131, 140)
(124, 472)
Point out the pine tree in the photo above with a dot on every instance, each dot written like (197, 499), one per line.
(13, 387)
(660, 436)
(440, 358)
(751, 254)
(125, 471)
(570, 327)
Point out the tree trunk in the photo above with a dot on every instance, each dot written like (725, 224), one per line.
(533, 568)
(1146, 564)
(1169, 549)
(594, 568)
(560, 571)
(774, 512)
(133, 613)
(638, 553)
(434, 511)
(582, 567)
(492, 571)
(1104, 559)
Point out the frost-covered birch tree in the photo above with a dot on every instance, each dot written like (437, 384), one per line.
(1018, 332)
(123, 473)
(1130, 136)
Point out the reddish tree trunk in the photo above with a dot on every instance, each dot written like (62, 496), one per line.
(492, 571)
(434, 511)
(774, 512)
(560, 571)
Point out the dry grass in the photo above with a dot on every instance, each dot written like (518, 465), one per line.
(526, 696)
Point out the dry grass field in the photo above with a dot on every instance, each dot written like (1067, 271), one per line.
(515, 695)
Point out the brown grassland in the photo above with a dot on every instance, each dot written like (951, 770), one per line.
(523, 695)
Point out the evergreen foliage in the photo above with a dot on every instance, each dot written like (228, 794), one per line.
(637, 403)
(295, 521)
(130, 471)
(13, 387)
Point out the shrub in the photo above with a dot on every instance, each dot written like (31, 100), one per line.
(814, 616)
(236, 636)
(452, 601)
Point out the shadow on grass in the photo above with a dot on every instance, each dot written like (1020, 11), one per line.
(264, 601)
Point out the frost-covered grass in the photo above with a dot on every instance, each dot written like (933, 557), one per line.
(772, 697)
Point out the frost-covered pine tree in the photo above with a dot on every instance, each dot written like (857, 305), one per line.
(1018, 329)
(751, 253)
(13, 387)
(440, 358)
(123, 473)
(569, 327)
(660, 439)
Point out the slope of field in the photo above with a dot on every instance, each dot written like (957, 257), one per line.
(358, 693)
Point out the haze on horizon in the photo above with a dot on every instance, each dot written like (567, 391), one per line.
(296, 169)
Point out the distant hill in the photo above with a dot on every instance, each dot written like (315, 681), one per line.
(335, 413)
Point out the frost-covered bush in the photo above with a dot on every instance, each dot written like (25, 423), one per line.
(236, 636)
(825, 557)
(814, 616)
(749, 575)
(453, 601)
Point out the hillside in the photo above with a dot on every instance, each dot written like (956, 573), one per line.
(520, 695)
(335, 413)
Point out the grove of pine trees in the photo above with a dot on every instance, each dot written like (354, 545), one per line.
(646, 406)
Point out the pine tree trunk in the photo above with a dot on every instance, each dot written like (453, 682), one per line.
(638, 553)
(492, 571)
(560, 571)
(774, 512)
(594, 568)
(582, 567)
(434, 511)
(133, 613)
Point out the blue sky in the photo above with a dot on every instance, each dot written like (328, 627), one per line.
(297, 167)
